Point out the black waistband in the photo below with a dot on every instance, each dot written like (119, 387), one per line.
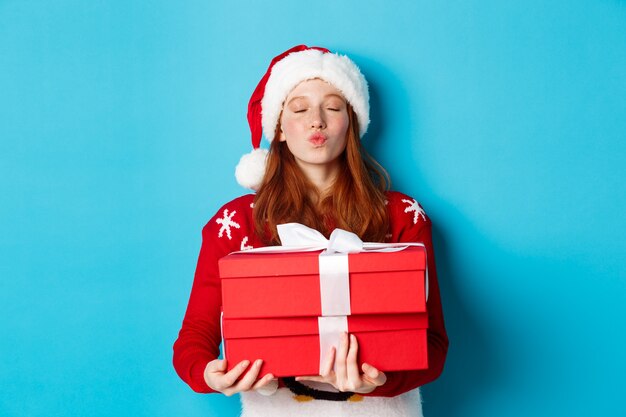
(301, 389)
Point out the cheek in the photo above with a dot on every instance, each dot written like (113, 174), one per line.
(289, 126)
(342, 125)
(288, 123)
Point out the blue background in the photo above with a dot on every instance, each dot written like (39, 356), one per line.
(121, 123)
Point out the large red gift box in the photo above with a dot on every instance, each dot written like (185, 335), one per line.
(272, 304)
(291, 347)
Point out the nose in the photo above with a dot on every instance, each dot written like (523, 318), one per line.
(317, 120)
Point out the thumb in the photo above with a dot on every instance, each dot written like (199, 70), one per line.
(373, 374)
(221, 365)
(216, 365)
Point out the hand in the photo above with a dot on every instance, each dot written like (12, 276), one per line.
(217, 378)
(346, 376)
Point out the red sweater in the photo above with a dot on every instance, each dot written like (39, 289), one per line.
(232, 229)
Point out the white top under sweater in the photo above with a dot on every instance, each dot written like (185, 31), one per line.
(283, 404)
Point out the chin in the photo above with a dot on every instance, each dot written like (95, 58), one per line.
(316, 161)
(321, 161)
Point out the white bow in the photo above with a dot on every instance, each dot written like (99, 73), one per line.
(299, 235)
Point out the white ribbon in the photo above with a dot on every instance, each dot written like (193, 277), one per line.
(330, 331)
(334, 284)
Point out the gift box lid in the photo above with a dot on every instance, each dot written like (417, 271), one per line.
(300, 326)
(241, 265)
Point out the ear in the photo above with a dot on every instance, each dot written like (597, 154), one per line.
(281, 136)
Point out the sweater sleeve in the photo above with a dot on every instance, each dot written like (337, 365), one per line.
(402, 381)
(200, 335)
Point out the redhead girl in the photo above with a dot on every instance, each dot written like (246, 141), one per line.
(313, 107)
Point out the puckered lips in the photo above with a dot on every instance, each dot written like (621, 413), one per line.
(318, 139)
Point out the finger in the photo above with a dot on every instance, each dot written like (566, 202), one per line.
(269, 388)
(248, 380)
(373, 375)
(340, 359)
(354, 376)
(231, 376)
(315, 378)
(263, 381)
(327, 369)
(303, 377)
(307, 377)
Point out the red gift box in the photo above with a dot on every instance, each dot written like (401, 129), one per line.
(288, 284)
(272, 302)
(291, 346)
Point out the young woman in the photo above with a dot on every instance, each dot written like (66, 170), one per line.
(313, 107)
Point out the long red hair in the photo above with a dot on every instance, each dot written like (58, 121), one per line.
(355, 201)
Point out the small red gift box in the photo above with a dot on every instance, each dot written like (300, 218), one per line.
(288, 284)
(274, 309)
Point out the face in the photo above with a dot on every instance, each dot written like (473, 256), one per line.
(314, 123)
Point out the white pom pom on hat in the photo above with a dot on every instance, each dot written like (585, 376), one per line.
(285, 72)
(251, 168)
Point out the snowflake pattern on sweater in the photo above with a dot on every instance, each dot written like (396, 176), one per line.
(413, 206)
(227, 222)
(244, 244)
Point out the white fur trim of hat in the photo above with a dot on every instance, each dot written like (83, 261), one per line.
(335, 69)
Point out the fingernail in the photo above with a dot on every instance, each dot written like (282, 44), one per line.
(352, 337)
(245, 363)
(258, 362)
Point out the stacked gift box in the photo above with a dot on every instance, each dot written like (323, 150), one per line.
(289, 308)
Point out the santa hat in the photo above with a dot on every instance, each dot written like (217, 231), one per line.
(285, 72)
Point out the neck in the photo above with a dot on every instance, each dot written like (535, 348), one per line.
(322, 176)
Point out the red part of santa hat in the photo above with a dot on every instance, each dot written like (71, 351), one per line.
(285, 72)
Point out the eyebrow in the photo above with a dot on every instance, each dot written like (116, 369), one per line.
(326, 96)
